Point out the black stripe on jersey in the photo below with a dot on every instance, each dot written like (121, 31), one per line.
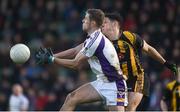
(115, 43)
(116, 46)
(127, 56)
(137, 65)
(126, 40)
(135, 51)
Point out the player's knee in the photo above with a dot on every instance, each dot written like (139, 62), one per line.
(132, 106)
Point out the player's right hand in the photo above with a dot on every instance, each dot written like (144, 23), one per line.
(44, 56)
(171, 66)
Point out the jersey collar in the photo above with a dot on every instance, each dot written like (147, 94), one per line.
(92, 34)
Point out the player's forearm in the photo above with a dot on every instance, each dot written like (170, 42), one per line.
(155, 55)
(66, 63)
(70, 53)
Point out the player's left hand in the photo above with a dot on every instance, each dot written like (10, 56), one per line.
(171, 66)
(44, 56)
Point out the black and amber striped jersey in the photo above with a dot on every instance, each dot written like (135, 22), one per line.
(128, 48)
(171, 95)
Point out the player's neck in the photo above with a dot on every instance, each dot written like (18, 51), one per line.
(92, 30)
(120, 33)
(114, 38)
(115, 35)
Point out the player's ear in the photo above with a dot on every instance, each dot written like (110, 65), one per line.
(93, 23)
(115, 23)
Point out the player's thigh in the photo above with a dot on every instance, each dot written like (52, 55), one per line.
(134, 98)
(116, 108)
(85, 94)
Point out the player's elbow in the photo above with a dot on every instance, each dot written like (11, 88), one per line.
(147, 48)
(76, 64)
(151, 50)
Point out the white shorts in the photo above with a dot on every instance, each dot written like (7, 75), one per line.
(114, 93)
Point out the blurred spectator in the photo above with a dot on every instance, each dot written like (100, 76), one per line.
(155, 97)
(32, 99)
(3, 102)
(52, 103)
(41, 100)
(17, 101)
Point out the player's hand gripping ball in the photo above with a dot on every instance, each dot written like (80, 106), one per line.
(44, 56)
(19, 53)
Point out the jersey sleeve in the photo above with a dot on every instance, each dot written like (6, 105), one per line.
(139, 42)
(90, 46)
(134, 39)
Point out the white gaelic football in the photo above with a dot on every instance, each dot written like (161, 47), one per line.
(19, 53)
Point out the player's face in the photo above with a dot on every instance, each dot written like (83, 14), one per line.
(17, 90)
(86, 23)
(107, 27)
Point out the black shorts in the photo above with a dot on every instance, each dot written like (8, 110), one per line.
(140, 84)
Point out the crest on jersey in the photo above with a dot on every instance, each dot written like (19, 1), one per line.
(121, 93)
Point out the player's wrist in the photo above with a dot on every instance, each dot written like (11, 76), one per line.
(51, 59)
(171, 66)
(167, 64)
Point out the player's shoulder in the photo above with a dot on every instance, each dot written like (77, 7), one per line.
(170, 85)
(11, 97)
(22, 96)
(129, 35)
(95, 34)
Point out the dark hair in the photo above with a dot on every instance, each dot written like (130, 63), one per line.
(96, 15)
(115, 17)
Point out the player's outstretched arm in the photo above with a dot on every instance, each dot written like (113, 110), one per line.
(71, 63)
(45, 56)
(70, 53)
(152, 52)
